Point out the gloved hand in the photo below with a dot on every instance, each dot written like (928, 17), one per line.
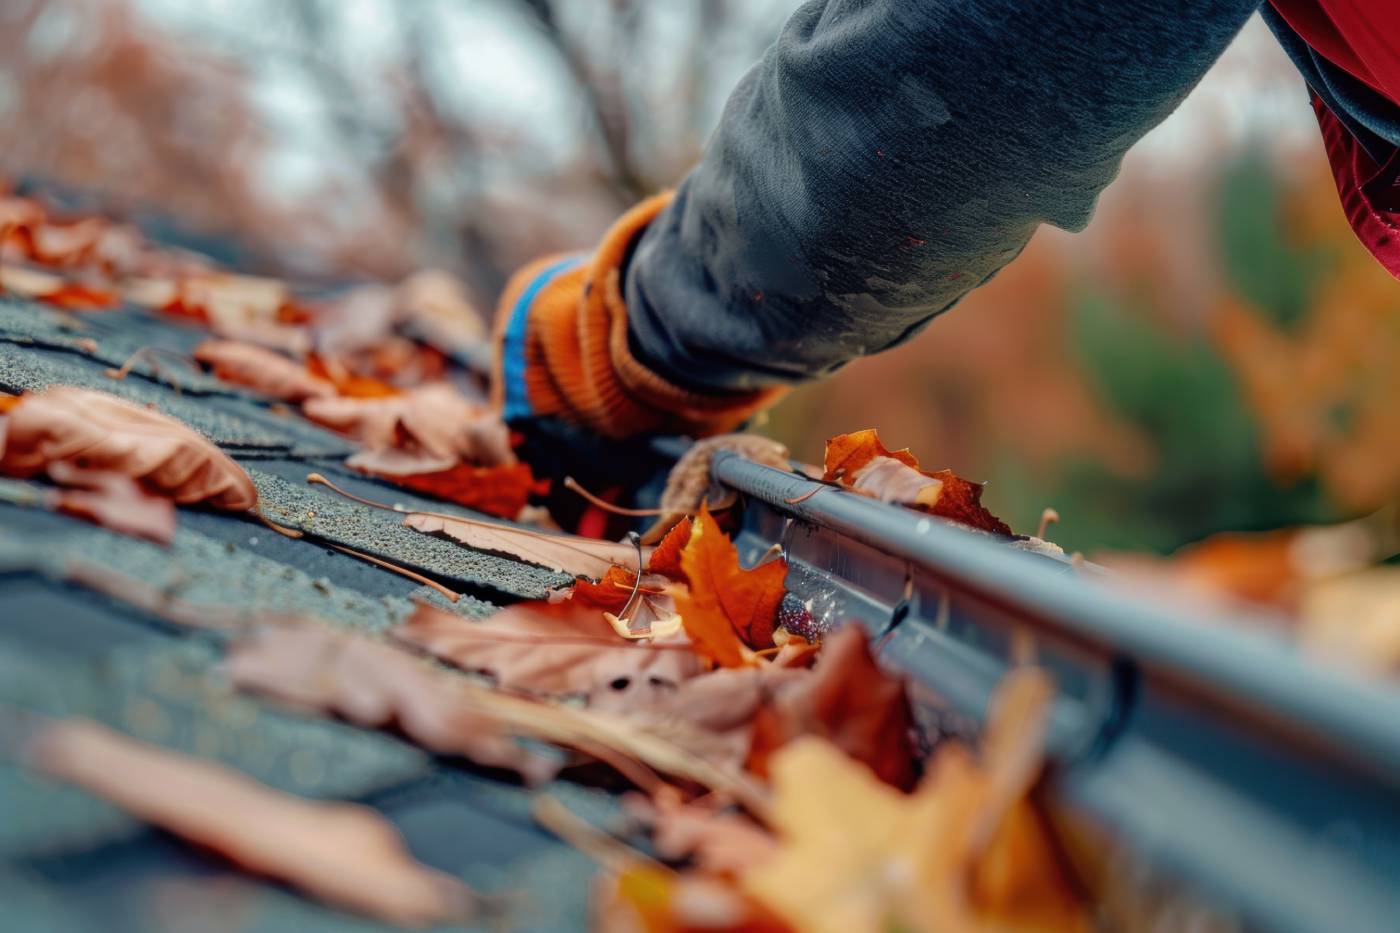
(562, 350)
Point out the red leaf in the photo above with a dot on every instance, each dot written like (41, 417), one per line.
(609, 594)
(495, 490)
(666, 559)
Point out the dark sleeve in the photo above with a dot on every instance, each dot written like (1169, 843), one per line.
(888, 156)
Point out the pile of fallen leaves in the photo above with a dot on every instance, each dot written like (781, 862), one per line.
(781, 780)
(774, 764)
(371, 363)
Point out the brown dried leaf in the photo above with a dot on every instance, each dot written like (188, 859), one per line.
(55, 290)
(435, 307)
(966, 851)
(372, 684)
(264, 371)
(690, 485)
(223, 300)
(434, 421)
(344, 854)
(553, 649)
(100, 432)
(850, 702)
(718, 708)
(571, 554)
(720, 842)
(112, 500)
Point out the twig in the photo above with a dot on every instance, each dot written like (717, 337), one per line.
(395, 568)
(607, 850)
(574, 486)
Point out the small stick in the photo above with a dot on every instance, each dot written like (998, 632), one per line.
(395, 568)
(574, 486)
(148, 354)
(280, 529)
(318, 479)
(625, 616)
(610, 852)
(805, 496)
(1048, 517)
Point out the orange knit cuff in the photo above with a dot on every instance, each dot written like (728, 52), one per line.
(562, 343)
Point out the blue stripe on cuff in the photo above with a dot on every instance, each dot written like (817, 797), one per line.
(517, 400)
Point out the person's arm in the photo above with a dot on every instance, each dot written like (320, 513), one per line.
(885, 158)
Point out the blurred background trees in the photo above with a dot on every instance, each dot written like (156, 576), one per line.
(1215, 352)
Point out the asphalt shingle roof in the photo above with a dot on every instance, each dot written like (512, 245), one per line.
(71, 862)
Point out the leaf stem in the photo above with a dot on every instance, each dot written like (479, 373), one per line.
(395, 568)
(574, 486)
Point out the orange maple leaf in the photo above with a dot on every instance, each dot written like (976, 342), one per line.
(727, 610)
(862, 464)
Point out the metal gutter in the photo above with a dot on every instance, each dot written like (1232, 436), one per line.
(1257, 775)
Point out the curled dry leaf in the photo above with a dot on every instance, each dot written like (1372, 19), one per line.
(717, 709)
(849, 701)
(359, 318)
(666, 559)
(55, 290)
(434, 422)
(572, 554)
(718, 841)
(966, 851)
(264, 371)
(372, 684)
(112, 500)
(434, 306)
(689, 485)
(220, 299)
(553, 649)
(345, 854)
(861, 463)
(100, 432)
(726, 609)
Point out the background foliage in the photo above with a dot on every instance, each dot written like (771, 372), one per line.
(1215, 352)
